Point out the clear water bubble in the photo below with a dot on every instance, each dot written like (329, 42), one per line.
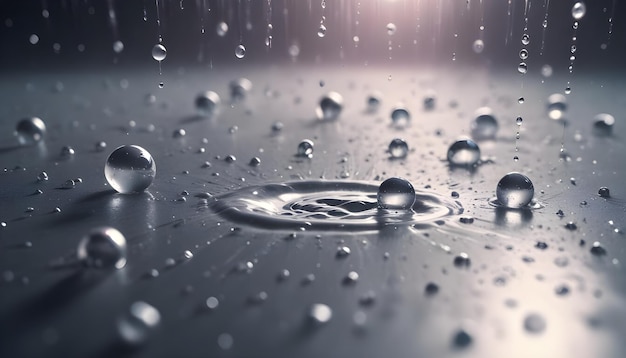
(515, 190)
(523, 54)
(396, 194)
(464, 152)
(136, 325)
(67, 151)
(30, 131)
(485, 125)
(118, 46)
(534, 323)
(330, 107)
(159, 52)
(604, 192)
(321, 32)
(522, 67)
(579, 10)
(207, 103)
(239, 88)
(103, 248)
(305, 148)
(603, 124)
(557, 105)
(478, 46)
(525, 39)
(400, 116)
(130, 169)
(221, 29)
(320, 313)
(373, 102)
(398, 148)
(240, 51)
(391, 29)
(519, 121)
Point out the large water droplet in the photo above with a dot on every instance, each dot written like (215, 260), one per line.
(104, 248)
(603, 124)
(464, 152)
(557, 105)
(136, 325)
(320, 313)
(305, 148)
(240, 51)
(330, 106)
(522, 67)
(391, 29)
(579, 10)
(398, 148)
(515, 190)
(400, 117)
(130, 169)
(321, 32)
(485, 125)
(207, 103)
(30, 130)
(159, 52)
(525, 39)
(396, 194)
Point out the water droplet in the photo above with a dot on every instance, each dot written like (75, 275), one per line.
(212, 303)
(305, 148)
(520, 100)
(159, 52)
(519, 121)
(562, 290)
(136, 325)
(525, 39)
(277, 126)
(523, 54)
(69, 184)
(522, 68)
(101, 145)
(478, 46)
(400, 117)
(431, 289)
(161, 84)
(67, 151)
(222, 29)
(240, 51)
(351, 278)
(429, 100)
(130, 169)
(597, 249)
(568, 90)
(178, 133)
(515, 190)
(330, 107)
(534, 323)
(43, 176)
(462, 260)
(464, 152)
(391, 29)
(118, 46)
(557, 105)
(546, 71)
(373, 102)
(485, 125)
(396, 194)
(207, 103)
(103, 248)
(461, 339)
(604, 192)
(320, 313)
(321, 32)
(294, 51)
(579, 10)
(255, 162)
(398, 148)
(343, 251)
(239, 88)
(31, 130)
(603, 124)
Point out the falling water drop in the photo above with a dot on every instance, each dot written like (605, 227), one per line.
(130, 169)
(103, 248)
(478, 46)
(159, 52)
(464, 152)
(391, 29)
(30, 131)
(396, 194)
(557, 105)
(321, 32)
(222, 29)
(240, 51)
(579, 10)
(522, 68)
(515, 191)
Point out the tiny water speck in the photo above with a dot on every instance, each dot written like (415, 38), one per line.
(221, 29)
(103, 248)
(321, 32)
(396, 194)
(603, 124)
(391, 29)
(515, 190)
(130, 169)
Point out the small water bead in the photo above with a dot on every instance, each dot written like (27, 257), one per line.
(159, 52)
(478, 46)
(255, 162)
(430, 100)
(30, 131)
(240, 88)
(221, 29)
(597, 249)
(464, 152)
(534, 323)
(579, 10)
(130, 169)
(67, 151)
(373, 102)
(100, 146)
(240, 51)
(523, 54)
(603, 124)
(277, 126)
(103, 248)
(525, 39)
(557, 105)
(178, 133)
(400, 117)
(135, 326)
(461, 339)
(207, 103)
(396, 194)
(294, 51)
(522, 68)
(320, 313)
(391, 29)
(305, 148)
(604, 192)
(462, 260)
(521, 100)
(330, 107)
(519, 121)
(118, 46)
(398, 148)
(485, 125)
(321, 32)
(43, 176)
(515, 191)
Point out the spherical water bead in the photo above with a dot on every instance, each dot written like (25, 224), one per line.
(321, 32)
(221, 29)
(429, 100)
(534, 323)
(525, 39)
(373, 102)
(464, 152)
(522, 67)
(330, 107)
(398, 148)
(485, 125)
(579, 10)
(159, 52)
(604, 192)
(305, 148)
(207, 103)
(603, 124)
(118, 46)
(130, 169)
(391, 29)
(478, 46)
(103, 248)
(523, 54)
(31, 130)
(320, 313)
(515, 191)
(557, 105)
(396, 194)
(135, 326)
(239, 88)
(519, 121)
(400, 117)
(240, 51)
